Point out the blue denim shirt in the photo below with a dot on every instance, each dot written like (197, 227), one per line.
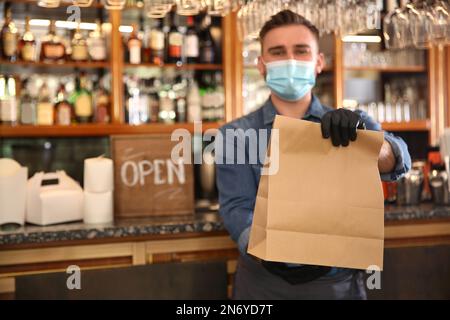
(238, 183)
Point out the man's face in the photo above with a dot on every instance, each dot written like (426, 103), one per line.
(290, 42)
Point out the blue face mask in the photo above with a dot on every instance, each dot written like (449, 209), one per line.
(290, 79)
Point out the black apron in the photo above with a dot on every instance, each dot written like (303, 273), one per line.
(254, 282)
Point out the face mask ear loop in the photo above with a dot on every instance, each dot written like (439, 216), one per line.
(264, 63)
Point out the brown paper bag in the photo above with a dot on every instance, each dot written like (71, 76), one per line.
(324, 206)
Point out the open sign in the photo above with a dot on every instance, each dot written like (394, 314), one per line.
(148, 182)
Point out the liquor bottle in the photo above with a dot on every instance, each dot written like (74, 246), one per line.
(79, 46)
(154, 86)
(207, 51)
(63, 109)
(27, 44)
(8, 114)
(27, 105)
(219, 97)
(157, 44)
(134, 46)
(146, 48)
(97, 43)
(81, 99)
(45, 110)
(9, 37)
(194, 106)
(2, 95)
(137, 103)
(207, 98)
(191, 42)
(166, 31)
(66, 41)
(175, 42)
(179, 87)
(166, 104)
(52, 48)
(102, 105)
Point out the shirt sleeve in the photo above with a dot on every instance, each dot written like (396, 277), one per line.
(399, 148)
(237, 189)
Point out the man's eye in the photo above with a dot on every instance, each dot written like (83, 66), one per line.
(301, 52)
(277, 53)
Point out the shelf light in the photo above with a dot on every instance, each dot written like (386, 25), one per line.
(126, 29)
(39, 22)
(368, 39)
(62, 24)
(73, 25)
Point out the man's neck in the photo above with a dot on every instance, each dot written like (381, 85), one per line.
(293, 109)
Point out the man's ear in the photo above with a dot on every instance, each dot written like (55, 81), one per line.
(320, 63)
(261, 67)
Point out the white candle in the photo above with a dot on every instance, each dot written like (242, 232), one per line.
(98, 207)
(98, 175)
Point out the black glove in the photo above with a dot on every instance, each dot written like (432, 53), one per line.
(341, 125)
(296, 275)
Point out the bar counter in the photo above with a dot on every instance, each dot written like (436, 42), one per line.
(179, 226)
(35, 250)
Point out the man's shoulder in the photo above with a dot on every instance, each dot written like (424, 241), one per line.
(253, 120)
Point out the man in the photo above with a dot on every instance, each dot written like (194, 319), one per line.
(290, 61)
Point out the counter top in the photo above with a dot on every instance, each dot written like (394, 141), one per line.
(123, 228)
(425, 211)
(199, 223)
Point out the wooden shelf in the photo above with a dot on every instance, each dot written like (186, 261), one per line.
(404, 69)
(173, 65)
(416, 125)
(67, 64)
(93, 129)
(95, 3)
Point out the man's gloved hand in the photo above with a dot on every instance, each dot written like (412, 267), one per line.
(341, 125)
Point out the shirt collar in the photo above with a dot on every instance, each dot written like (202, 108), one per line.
(315, 109)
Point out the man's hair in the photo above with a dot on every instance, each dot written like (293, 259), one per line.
(287, 18)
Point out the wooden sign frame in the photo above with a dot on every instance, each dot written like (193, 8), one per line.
(146, 180)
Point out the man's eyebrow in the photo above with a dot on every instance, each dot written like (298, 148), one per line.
(302, 45)
(276, 48)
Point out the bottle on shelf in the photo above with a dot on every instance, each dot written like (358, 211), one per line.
(81, 99)
(207, 96)
(102, 105)
(167, 112)
(153, 85)
(52, 47)
(27, 43)
(194, 106)
(137, 107)
(79, 46)
(157, 43)
(175, 42)
(63, 109)
(207, 50)
(146, 46)
(8, 100)
(191, 42)
(2, 95)
(45, 109)
(219, 97)
(9, 36)
(27, 105)
(179, 88)
(66, 40)
(134, 46)
(97, 43)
